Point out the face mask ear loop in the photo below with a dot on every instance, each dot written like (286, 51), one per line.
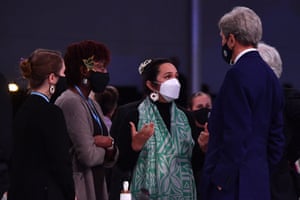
(156, 82)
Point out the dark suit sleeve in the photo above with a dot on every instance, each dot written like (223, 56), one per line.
(57, 145)
(276, 139)
(236, 116)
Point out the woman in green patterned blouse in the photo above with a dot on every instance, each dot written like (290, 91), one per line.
(155, 138)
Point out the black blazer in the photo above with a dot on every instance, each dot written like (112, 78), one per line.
(285, 182)
(41, 164)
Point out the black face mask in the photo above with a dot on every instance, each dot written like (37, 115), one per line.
(226, 53)
(98, 81)
(60, 86)
(201, 115)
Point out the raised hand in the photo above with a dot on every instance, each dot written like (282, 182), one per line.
(203, 138)
(141, 137)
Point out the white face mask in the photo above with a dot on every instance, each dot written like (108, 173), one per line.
(170, 89)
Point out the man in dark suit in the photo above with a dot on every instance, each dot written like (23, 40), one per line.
(246, 123)
(5, 134)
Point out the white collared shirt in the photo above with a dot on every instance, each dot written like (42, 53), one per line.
(242, 53)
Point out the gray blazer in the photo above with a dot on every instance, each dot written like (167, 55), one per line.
(85, 154)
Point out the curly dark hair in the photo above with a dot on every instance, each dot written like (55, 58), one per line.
(78, 51)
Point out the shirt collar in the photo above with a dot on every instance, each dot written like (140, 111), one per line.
(242, 53)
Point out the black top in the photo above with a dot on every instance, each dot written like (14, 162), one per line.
(291, 123)
(285, 182)
(41, 164)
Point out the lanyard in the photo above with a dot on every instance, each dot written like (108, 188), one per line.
(91, 107)
(41, 95)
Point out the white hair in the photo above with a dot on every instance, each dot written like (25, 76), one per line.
(271, 56)
(244, 24)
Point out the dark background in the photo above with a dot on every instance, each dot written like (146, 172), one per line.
(137, 29)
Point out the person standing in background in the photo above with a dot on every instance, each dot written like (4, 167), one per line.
(108, 101)
(246, 138)
(199, 100)
(5, 134)
(199, 103)
(93, 149)
(41, 165)
(285, 182)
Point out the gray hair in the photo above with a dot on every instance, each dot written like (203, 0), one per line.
(271, 56)
(244, 24)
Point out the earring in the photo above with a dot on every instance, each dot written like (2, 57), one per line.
(154, 96)
(84, 81)
(51, 89)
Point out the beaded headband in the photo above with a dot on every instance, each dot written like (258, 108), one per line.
(143, 65)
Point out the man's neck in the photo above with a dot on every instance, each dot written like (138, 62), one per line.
(238, 49)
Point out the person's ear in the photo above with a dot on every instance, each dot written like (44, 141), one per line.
(231, 41)
(151, 86)
(52, 78)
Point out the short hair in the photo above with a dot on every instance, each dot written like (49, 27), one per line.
(39, 65)
(78, 51)
(195, 94)
(271, 56)
(244, 24)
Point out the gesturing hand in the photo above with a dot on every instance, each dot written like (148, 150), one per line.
(203, 138)
(141, 137)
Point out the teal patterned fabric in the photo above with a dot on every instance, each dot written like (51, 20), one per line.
(164, 163)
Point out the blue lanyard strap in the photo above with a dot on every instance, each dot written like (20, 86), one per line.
(91, 107)
(41, 95)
